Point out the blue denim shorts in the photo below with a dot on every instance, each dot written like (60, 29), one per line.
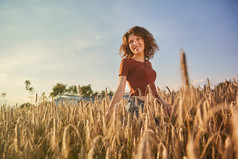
(134, 105)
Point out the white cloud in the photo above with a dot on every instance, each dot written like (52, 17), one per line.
(199, 82)
(213, 81)
(98, 37)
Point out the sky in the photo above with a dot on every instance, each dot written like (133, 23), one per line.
(76, 42)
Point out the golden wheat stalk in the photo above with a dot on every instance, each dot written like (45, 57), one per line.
(66, 143)
(191, 149)
(184, 70)
(17, 140)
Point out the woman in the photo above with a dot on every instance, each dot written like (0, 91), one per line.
(137, 48)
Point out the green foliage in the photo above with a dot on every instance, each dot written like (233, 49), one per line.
(87, 91)
(72, 90)
(58, 90)
(3, 94)
(84, 91)
(26, 105)
(109, 94)
(29, 87)
(43, 98)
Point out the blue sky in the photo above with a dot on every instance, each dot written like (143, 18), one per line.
(76, 42)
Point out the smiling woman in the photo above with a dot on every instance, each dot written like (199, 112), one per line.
(142, 36)
(137, 48)
(136, 44)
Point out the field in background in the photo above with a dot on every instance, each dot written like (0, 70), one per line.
(202, 124)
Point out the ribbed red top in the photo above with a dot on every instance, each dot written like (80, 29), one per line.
(139, 76)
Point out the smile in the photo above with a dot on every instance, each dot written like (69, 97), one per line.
(137, 47)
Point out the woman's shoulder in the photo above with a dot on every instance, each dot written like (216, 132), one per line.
(126, 60)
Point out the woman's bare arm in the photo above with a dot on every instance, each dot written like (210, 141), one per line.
(117, 96)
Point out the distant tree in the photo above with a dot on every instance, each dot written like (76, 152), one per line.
(79, 90)
(87, 91)
(72, 90)
(58, 90)
(109, 94)
(29, 87)
(84, 91)
(43, 98)
(3, 94)
(26, 105)
(103, 93)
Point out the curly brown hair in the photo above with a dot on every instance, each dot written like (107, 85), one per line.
(150, 44)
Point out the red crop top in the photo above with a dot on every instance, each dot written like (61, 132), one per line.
(139, 76)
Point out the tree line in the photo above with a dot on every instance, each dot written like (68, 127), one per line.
(62, 89)
(83, 91)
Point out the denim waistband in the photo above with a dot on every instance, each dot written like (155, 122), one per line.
(134, 104)
(138, 99)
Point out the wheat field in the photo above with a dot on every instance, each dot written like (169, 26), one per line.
(202, 124)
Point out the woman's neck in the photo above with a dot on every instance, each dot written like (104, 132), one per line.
(140, 58)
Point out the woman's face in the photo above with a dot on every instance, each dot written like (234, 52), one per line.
(136, 44)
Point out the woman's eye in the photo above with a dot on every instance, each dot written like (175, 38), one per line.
(138, 39)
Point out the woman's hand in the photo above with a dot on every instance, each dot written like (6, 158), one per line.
(107, 117)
